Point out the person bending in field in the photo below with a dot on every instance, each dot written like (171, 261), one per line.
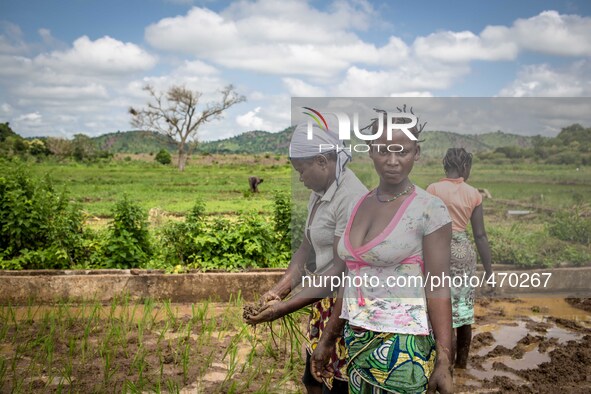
(254, 183)
(335, 189)
(465, 205)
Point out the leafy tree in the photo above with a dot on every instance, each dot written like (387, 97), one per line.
(163, 157)
(6, 131)
(59, 147)
(175, 113)
(83, 147)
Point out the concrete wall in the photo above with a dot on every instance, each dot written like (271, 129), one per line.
(21, 287)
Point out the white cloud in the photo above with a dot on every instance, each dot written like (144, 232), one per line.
(544, 81)
(464, 46)
(412, 94)
(299, 88)
(6, 108)
(252, 121)
(410, 76)
(554, 34)
(197, 67)
(548, 32)
(288, 37)
(102, 56)
(31, 118)
(62, 93)
(11, 39)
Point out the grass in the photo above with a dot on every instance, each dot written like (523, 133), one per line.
(223, 186)
(148, 347)
(222, 182)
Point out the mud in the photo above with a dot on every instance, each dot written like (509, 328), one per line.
(529, 346)
(519, 346)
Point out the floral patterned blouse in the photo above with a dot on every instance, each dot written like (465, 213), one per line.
(384, 292)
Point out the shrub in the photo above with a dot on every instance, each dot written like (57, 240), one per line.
(178, 239)
(39, 227)
(247, 242)
(526, 248)
(128, 244)
(571, 225)
(282, 219)
(163, 157)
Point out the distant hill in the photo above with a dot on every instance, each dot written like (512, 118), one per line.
(250, 142)
(136, 141)
(435, 143)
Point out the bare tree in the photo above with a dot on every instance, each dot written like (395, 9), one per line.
(175, 113)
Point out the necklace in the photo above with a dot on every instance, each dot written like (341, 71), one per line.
(402, 193)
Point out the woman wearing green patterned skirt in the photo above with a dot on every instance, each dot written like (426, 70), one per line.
(397, 320)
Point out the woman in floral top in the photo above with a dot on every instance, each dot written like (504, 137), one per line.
(397, 331)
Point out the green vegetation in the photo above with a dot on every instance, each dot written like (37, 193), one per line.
(130, 347)
(43, 229)
(137, 141)
(205, 218)
(571, 146)
(163, 157)
(187, 231)
(39, 228)
(128, 243)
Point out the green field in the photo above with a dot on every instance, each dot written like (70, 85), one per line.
(222, 182)
(554, 231)
(223, 186)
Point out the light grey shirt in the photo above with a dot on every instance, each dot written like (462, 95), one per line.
(331, 216)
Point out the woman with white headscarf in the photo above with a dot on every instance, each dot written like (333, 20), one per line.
(321, 161)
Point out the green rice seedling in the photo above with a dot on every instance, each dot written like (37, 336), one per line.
(199, 313)
(147, 316)
(94, 315)
(207, 363)
(132, 387)
(233, 388)
(141, 366)
(265, 388)
(188, 329)
(4, 326)
(108, 371)
(161, 372)
(234, 342)
(186, 357)
(292, 334)
(169, 313)
(130, 321)
(3, 369)
(251, 376)
(11, 317)
(172, 386)
(232, 362)
(30, 312)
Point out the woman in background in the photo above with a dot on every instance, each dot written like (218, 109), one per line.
(464, 204)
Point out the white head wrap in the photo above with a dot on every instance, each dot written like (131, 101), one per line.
(322, 141)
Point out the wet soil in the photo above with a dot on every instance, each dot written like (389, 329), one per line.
(519, 346)
(529, 346)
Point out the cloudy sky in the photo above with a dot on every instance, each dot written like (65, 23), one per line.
(71, 66)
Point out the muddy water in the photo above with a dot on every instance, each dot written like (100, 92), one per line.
(524, 333)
